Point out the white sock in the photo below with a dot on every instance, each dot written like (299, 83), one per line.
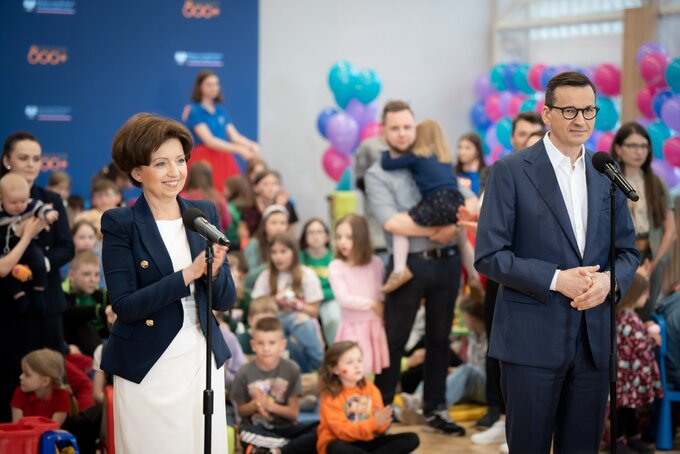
(399, 252)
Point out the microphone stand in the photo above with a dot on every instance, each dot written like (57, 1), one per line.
(208, 393)
(613, 423)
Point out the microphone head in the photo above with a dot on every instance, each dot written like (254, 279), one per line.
(601, 159)
(190, 216)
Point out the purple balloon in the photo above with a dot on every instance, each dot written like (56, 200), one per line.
(565, 68)
(666, 172)
(343, 132)
(670, 112)
(483, 87)
(506, 98)
(490, 137)
(649, 48)
(644, 122)
(355, 109)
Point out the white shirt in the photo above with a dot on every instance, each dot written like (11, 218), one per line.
(574, 189)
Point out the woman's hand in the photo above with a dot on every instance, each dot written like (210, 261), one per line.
(195, 270)
(220, 255)
(378, 307)
(31, 227)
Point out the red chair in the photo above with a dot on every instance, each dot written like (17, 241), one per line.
(109, 446)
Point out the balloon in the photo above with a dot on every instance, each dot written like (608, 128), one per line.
(644, 102)
(670, 112)
(515, 105)
(343, 133)
(355, 109)
(505, 99)
(648, 48)
(604, 142)
(504, 131)
(564, 68)
(497, 77)
(608, 116)
(322, 119)
(658, 133)
(367, 85)
(497, 153)
(340, 79)
(528, 105)
(539, 105)
(478, 116)
(534, 76)
(369, 115)
(653, 67)
(666, 172)
(371, 129)
(671, 151)
(644, 122)
(591, 143)
(659, 99)
(492, 107)
(334, 163)
(490, 138)
(345, 181)
(673, 75)
(547, 74)
(483, 87)
(589, 72)
(509, 75)
(608, 79)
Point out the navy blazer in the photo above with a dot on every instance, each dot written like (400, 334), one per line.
(146, 293)
(524, 236)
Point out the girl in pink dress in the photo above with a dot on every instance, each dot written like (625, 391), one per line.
(356, 276)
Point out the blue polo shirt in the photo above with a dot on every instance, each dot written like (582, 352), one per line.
(217, 123)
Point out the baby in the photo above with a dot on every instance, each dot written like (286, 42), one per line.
(15, 206)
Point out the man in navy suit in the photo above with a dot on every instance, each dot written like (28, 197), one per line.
(544, 236)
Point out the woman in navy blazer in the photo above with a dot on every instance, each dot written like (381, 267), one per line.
(155, 271)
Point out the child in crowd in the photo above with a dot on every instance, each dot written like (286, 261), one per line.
(237, 359)
(268, 191)
(84, 236)
(16, 205)
(430, 164)
(60, 182)
(637, 377)
(352, 416)
(355, 276)
(254, 168)
(298, 293)
(262, 307)
(84, 318)
(42, 391)
(470, 160)
(199, 186)
(267, 393)
(315, 252)
(239, 195)
(274, 220)
(105, 195)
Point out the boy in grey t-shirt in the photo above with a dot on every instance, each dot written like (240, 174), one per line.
(267, 392)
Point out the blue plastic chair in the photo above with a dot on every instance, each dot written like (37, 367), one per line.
(664, 434)
(54, 440)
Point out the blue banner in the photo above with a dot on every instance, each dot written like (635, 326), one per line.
(74, 70)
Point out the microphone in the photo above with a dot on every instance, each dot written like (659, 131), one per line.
(603, 163)
(194, 220)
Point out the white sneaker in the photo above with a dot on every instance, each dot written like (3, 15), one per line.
(492, 435)
(504, 449)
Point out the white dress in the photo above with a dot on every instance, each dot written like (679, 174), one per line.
(164, 413)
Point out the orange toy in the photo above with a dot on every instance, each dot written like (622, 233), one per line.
(22, 273)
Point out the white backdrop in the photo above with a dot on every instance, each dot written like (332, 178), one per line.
(428, 53)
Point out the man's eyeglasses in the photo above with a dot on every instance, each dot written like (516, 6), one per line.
(636, 146)
(569, 112)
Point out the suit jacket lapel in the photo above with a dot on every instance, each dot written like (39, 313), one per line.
(542, 175)
(597, 190)
(151, 237)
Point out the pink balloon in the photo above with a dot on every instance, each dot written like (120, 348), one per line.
(671, 151)
(608, 79)
(493, 108)
(604, 143)
(653, 69)
(335, 163)
(371, 129)
(534, 76)
(496, 154)
(539, 105)
(514, 105)
(644, 102)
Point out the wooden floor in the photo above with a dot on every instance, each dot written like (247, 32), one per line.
(440, 444)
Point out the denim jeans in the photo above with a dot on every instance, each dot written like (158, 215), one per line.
(303, 340)
(465, 382)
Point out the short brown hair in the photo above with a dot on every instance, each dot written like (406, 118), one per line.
(57, 178)
(530, 117)
(196, 92)
(263, 305)
(473, 308)
(268, 325)
(143, 134)
(362, 250)
(84, 257)
(395, 106)
(100, 185)
(566, 79)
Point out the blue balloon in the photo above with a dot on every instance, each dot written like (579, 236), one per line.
(658, 100)
(366, 85)
(520, 80)
(529, 105)
(340, 79)
(547, 74)
(345, 181)
(673, 75)
(497, 77)
(658, 133)
(478, 116)
(322, 119)
(504, 131)
(608, 116)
